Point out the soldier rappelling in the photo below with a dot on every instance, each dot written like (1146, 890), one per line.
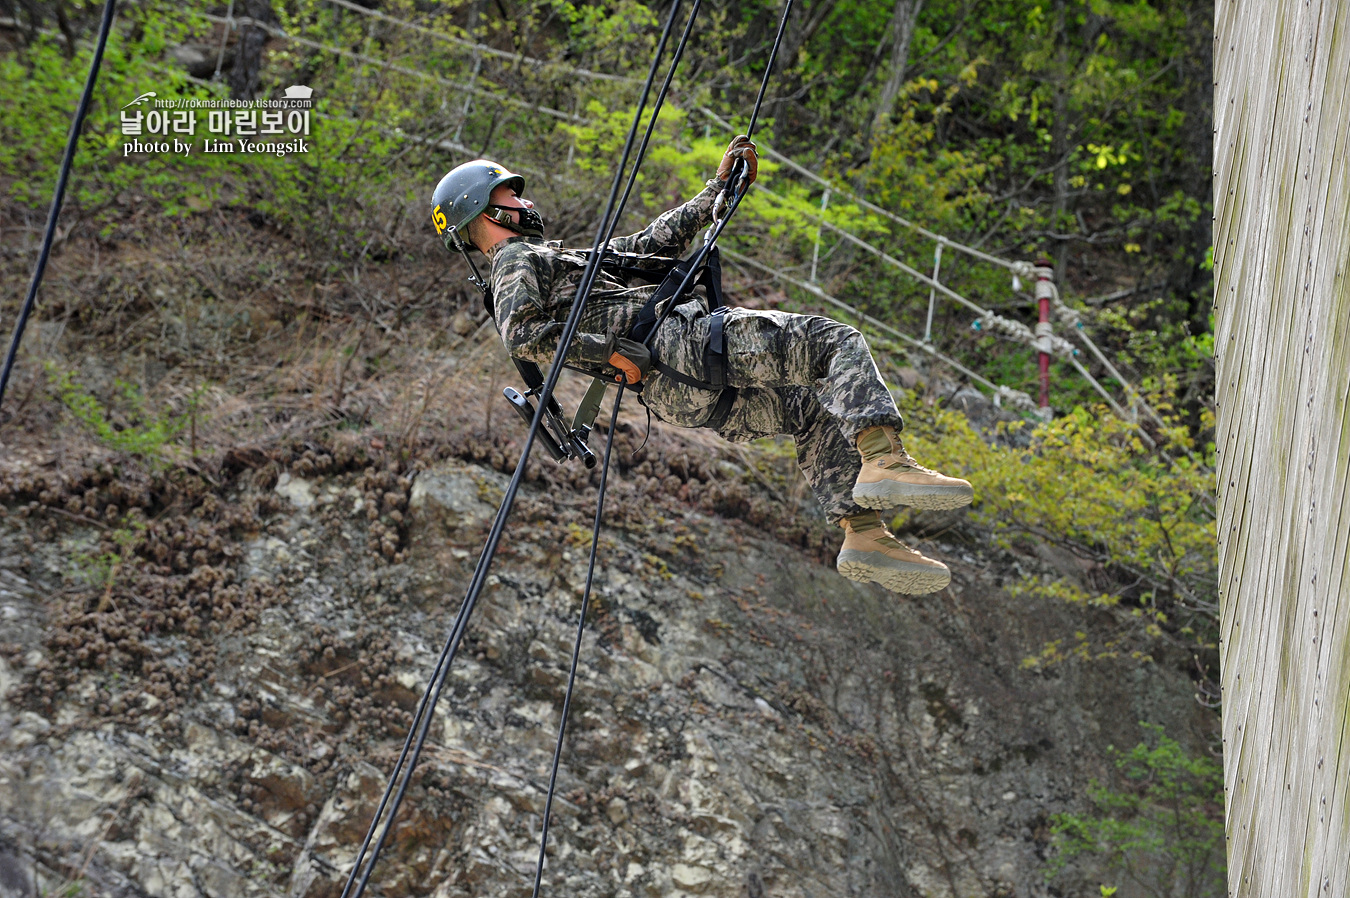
(744, 373)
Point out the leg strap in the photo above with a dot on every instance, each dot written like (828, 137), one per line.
(722, 410)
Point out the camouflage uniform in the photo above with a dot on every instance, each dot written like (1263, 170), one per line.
(803, 375)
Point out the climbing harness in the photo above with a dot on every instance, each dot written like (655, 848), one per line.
(561, 441)
(669, 294)
(401, 777)
(105, 26)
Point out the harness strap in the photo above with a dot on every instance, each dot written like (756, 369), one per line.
(714, 351)
(722, 410)
(637, 266)
(725, 399)
(680, 377)
(709, 276)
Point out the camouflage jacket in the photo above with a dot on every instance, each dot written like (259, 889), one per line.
(534, 282)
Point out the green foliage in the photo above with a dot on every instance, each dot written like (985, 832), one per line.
(104, 180)
(1085, 482)
(1164, 832)
(100, 569)
(912, 172)
(76, 888)
(596, 28)
(344, 191)
(1071, 129)
(126, 424)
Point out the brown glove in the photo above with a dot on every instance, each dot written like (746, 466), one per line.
(632, 359)
(741, 147)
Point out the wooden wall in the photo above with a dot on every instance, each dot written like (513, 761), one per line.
(1282, 350)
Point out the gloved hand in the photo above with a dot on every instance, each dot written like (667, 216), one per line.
(631, 358)
(741, 147)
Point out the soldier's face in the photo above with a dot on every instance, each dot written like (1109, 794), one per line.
(503, 195)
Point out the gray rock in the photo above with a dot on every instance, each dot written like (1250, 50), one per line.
(745, 721)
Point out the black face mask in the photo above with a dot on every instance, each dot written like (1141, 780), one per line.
(531, 222)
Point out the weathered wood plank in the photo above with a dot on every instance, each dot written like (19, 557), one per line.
(1282, 352)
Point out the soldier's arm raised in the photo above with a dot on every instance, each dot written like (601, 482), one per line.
(669, 235)
(521, 281)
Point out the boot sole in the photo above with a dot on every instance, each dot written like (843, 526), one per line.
(889, 494)
(904, 577)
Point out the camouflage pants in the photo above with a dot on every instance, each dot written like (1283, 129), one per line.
(805, 376)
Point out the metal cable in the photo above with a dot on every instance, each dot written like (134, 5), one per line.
(930, 282)
(1019, 268)
(1062, 347)
(403, 771)
(576, 647)
(72, 140)
(1017, 397)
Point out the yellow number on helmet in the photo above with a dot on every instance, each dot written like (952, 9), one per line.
(438, 219)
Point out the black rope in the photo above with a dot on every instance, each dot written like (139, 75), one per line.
(732, 186)
(576, 647)
(364, 864)
(105, 26)
(768, 69)
(604, 470)
(413, 744)
(656, 113)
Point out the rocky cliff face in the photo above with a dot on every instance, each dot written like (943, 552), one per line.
(206, 701)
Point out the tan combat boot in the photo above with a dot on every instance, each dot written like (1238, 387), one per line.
(870, 554)
(890, 477)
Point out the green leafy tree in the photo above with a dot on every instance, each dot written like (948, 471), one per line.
(1085, 482)
(1163, 832)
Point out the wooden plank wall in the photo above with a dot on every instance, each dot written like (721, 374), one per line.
(1282, 351)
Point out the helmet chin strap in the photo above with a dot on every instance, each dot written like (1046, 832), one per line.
(474, 277)
(531, 222)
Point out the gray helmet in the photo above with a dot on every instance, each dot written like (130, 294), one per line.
(464, 194)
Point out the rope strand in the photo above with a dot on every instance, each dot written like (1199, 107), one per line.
(576, 647)
(710, 242)
(480, 574)
(72, 140)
